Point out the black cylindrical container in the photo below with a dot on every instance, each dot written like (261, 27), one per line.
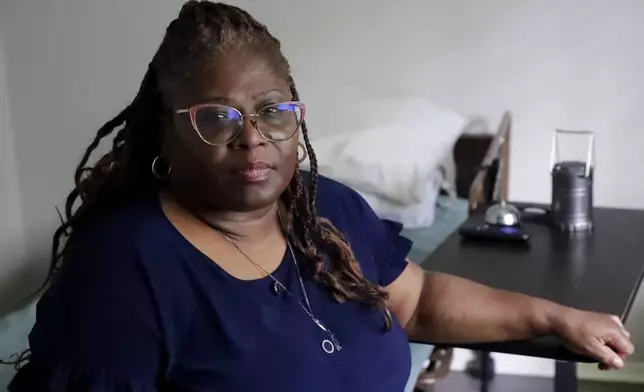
(572, 196)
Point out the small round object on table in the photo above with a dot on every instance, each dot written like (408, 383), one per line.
(503, 214)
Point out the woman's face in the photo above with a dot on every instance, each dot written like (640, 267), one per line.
(248, 173)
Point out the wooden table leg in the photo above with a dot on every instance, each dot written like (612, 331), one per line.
(565, 377)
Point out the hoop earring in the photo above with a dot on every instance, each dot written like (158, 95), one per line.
(155, 172)
(304, 155)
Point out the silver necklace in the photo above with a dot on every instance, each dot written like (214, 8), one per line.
(328, 345)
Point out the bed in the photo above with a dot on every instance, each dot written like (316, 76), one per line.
(482, 169)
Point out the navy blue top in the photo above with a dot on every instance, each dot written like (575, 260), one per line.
(137, 308)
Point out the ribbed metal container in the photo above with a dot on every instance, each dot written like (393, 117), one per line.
(572, 196)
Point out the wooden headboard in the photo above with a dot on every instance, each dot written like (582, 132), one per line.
(482, 165)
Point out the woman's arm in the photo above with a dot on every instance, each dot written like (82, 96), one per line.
(441, 308)
(452, 309)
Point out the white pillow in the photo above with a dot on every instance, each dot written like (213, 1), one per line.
(410, 216)
(384, 145)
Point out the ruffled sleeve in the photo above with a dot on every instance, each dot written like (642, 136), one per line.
(68, 377)
(97, 326)
(392, 256)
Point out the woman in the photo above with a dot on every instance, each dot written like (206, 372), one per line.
(200, 258)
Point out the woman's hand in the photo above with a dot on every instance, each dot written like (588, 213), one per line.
(596, 335)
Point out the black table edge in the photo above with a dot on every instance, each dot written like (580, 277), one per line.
(632, 298)
(547, 347)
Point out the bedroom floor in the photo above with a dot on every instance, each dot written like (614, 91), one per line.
(460, 382)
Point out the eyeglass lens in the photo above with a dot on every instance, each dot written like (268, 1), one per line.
(220, 124)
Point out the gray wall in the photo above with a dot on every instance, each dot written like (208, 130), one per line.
(72, 64)
(11, 225)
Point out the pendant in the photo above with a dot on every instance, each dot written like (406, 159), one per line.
(327, 346)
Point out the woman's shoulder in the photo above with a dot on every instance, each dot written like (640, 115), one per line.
(120, 262)
(101, 321)
(131, 223)
(133, 239)
(371, 237)
(336, 200)
(348, 211)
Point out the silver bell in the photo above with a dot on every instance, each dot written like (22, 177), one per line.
(502, 214)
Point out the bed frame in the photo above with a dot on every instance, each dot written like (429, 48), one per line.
(482, 165)
(482, 171)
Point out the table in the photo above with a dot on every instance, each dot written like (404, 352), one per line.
(599, 271)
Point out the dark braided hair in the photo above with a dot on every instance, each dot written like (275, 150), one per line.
(202, 32)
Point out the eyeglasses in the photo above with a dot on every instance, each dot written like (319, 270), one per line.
(218, 124)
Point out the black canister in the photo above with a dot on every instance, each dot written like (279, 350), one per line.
(572, 196)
